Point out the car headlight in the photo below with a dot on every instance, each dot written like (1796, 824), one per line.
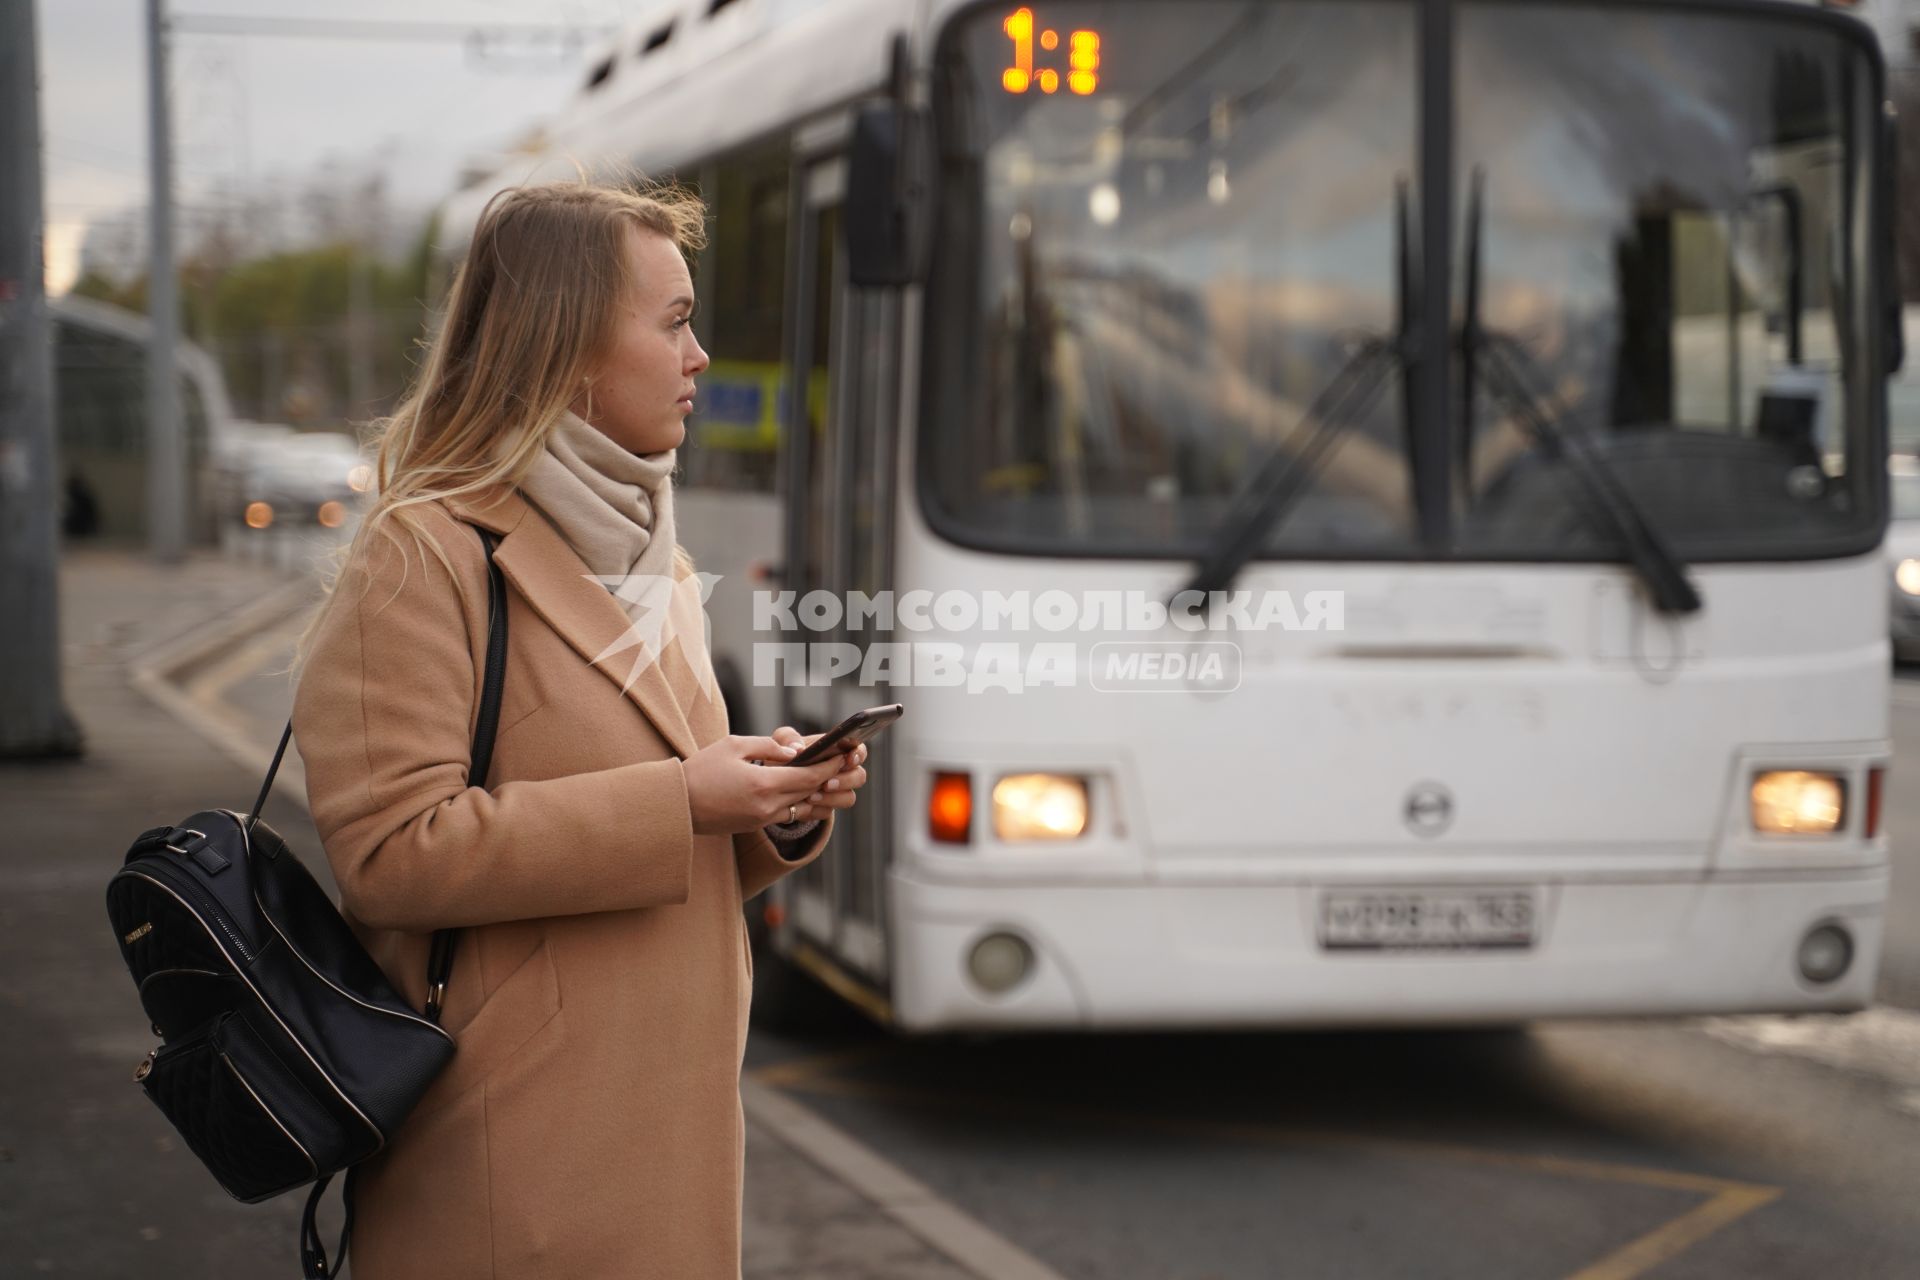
(1798, 802)
(1907, 577)
(1039, 806)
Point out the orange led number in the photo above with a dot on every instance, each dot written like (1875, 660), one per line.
(1083, 57)
(1019, 29)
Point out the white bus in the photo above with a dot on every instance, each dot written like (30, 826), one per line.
(1550, 338)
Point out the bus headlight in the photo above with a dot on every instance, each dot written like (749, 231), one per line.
(331, 515)
(1039, 806)
(259, 515)
(1907, 577)
(1798, 802)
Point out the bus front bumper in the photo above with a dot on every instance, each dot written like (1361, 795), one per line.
(1251, 955)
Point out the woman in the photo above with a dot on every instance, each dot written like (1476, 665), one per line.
(589, 1124)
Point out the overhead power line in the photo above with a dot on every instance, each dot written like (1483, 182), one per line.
(216, 24)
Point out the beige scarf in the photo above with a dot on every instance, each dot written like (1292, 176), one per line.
(615, 509)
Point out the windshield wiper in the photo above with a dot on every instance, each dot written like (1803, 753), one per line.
(1345, 400)
(1509, 370)
(1284, 476)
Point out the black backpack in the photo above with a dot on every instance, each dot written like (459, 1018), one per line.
(287, 1054)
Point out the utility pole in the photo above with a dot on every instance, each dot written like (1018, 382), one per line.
(368, 230)
(33, 717)
(166, 443)
(359, 328)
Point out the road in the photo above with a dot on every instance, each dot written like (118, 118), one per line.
(1733, 1147)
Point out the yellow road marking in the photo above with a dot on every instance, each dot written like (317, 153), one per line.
(1727, 1200)
(246, 659)
(843, 984)
(1676, 1237)
(804, 1072)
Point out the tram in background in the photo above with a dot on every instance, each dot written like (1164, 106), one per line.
(1554, 336)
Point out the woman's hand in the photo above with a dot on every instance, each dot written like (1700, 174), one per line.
(727, 792)
(837, 791)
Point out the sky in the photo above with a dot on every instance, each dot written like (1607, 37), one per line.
(254, 112)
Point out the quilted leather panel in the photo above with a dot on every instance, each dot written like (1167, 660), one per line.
(164, 934)
(202, 1093)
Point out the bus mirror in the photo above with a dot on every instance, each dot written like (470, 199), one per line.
(886, 213)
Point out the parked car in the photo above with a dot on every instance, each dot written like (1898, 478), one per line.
(269, 475)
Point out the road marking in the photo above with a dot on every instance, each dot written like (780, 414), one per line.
(168, 659)
(1727, 1200)
(157, 674)
(940, 1223)
(843, 984)
(1670, 1241)
(241, 661)
(788, 1075)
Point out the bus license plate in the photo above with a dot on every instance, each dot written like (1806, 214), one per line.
(1431, 920)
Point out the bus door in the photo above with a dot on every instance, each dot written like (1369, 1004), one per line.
(836, 466)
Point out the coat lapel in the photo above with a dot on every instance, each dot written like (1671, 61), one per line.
(561, 589)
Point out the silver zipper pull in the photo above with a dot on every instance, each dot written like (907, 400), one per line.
(146, 1064)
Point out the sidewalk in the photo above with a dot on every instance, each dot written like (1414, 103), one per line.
(92, 1181)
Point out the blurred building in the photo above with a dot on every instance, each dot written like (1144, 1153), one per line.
(100, 399)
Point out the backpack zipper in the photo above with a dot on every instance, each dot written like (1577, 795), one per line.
(200, 1033)
(191, 897)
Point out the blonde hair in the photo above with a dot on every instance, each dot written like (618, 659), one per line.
(530, 310)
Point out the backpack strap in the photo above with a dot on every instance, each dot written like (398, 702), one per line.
(440, 956)
(313, 1253)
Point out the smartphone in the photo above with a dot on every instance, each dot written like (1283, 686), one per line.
(849, 733)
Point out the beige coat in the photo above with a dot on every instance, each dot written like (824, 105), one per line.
(589, 1124)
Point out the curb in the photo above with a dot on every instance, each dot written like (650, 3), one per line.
(909, 1202)
(156, 675)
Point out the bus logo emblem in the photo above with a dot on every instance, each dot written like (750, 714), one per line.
(1429, 809)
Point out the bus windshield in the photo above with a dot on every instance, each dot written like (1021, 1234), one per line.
(1166, 227)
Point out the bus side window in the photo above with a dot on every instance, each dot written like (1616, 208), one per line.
(734, 434)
